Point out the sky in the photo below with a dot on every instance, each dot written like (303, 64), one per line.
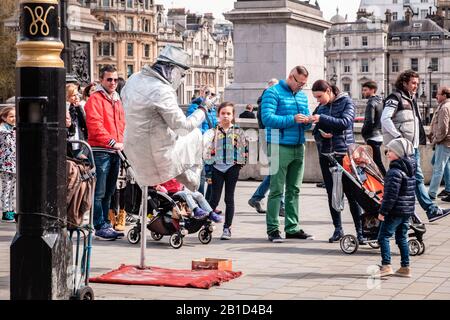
(217, 7)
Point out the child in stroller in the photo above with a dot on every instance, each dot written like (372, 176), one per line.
(173, 212)
(368, 186)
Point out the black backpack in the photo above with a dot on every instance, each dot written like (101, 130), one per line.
(259, 113)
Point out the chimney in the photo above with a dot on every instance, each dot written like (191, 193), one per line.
(408, 16)
(388, 15)
(361, 13)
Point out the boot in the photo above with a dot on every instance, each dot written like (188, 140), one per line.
(120, 225)
(112, 217)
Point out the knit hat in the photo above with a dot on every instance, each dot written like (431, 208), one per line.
(401, 147)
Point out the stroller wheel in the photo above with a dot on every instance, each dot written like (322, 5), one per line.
(349, 244)
(422, 248)
(176, 241)
(156, 236)
(204, 236)
(414, 247)
(374, 245)
(134, 236)
(85, 293)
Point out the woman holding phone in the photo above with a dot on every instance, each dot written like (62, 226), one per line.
(333, 133)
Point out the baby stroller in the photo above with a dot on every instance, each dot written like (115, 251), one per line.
(80, 199)
(168, 216)
(368, 186)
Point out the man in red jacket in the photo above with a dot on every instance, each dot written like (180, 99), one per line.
(105, 120)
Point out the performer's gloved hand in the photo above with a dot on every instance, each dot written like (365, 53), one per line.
(209, 102)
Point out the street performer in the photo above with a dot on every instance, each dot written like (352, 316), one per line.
(160, 142)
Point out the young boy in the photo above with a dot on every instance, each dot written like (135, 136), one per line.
(398, 205)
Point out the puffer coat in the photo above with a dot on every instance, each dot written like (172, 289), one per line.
(399, 188)
(160, 142)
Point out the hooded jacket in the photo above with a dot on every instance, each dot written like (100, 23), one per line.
(336, 118)
(399, 188)
(279, 106)
(105, 119)
(160, 142)
(372, 118)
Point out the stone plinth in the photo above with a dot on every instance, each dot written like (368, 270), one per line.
(270, 38)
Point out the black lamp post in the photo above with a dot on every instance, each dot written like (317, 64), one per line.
(430, 71)
(423, 99)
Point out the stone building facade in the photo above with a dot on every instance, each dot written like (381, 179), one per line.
(420, 8)
(379, 50)
(129, 36)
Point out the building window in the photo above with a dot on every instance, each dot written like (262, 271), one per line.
(394, 1)
(364, 65)
(130, 49)
(434, 89)
(106, 49)
(395, 65)
(147, 50)
(230, 51)
(333, 41)
(109, 26)
(196, 46)
(347, 68)
(394, 16)
(147, 4)
(189, 80)
(423, 14)
(106, 3)
(346, 41)
(347, 87)
(415, 64)
(130, 70)
(130, 3)
(364, 41)
(129, 24)
(221, 80)
(435, 64)
(423, 1)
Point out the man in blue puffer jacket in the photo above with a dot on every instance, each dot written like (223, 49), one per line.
(398, 205)
(285, 114)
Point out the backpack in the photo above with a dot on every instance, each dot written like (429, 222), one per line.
(259, 113)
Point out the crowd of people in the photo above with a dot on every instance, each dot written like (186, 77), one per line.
(178, 153)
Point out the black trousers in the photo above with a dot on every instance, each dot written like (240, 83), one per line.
(229, 178)
(376, 147)
(355, 209)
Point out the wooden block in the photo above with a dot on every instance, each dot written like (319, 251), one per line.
(212, 264)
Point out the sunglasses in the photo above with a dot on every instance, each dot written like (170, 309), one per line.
(112, 79)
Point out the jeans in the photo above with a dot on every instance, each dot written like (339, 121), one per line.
(441, 168)
(194, 200)
(262, 189)
(398, 225)
(229, 178)
(421, 191)
(377, 155)
(355, 209)
(107, 170)
(286, 177)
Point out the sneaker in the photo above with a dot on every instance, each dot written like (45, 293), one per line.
(282, 212)
(119, 235)
(219, 212)
(404, 272)
(320, 185)
(8, 216)
(257, 205)
(226, 235)
(431, 197)
(337, 235)
(439, 214)
(386, 270)
(107, 234)
(215, 217)
(299, 235)
(443, 193)
(275, 237)
(130, 219)
(446, 199)
(199, 213)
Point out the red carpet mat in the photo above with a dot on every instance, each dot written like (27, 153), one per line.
(154, 276)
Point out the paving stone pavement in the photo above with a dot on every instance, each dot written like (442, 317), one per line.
(295, 269)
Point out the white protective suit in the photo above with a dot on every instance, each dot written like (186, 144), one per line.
(160, 142)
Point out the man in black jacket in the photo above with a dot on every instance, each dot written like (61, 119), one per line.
(371, 130)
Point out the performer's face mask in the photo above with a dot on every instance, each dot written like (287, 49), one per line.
(177, 76)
